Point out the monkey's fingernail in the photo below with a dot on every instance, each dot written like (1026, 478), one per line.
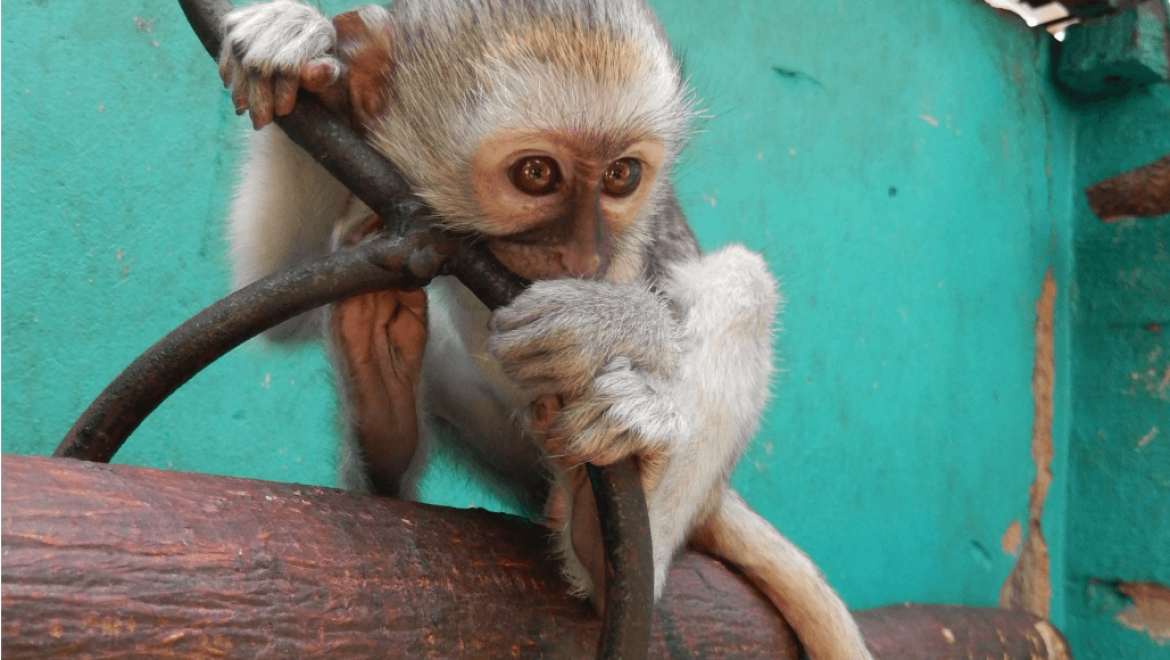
(285, 95)
(240, 100)
(542, 410)
(261, 118)
(319, 74)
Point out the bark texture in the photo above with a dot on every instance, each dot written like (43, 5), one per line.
(108, 561)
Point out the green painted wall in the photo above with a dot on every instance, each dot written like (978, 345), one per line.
(907, 169)
(1119, 504)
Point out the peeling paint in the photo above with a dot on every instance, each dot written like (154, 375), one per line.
(1149, 611)
(1028, 587)
(1013, 536)
(1147, 437)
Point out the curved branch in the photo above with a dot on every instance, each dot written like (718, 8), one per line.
(408, 259)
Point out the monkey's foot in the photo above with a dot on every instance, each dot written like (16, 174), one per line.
(571, 510)
(379, 338)
(571, 513)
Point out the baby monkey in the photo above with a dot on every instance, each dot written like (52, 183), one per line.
(547, 128)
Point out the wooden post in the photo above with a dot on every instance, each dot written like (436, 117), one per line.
(108, 561)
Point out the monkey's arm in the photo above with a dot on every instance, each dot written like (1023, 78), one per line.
(283, 212)
(683, 392)
(728, 302)
(288, 208)
(677, 379)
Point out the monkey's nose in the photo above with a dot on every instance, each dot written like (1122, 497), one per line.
(582, 266)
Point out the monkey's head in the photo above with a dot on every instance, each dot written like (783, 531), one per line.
(550, 133)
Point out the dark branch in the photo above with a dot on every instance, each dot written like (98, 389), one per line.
(410, 257)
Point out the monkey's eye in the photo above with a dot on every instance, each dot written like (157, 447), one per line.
(535, 175)
(622, 177)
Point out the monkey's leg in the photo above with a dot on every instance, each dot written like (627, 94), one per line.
(571, 510)
(378, 340)
(741, 537)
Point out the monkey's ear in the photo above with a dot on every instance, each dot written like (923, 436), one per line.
(365, 51)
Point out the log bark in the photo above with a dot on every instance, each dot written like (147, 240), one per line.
(108, 561)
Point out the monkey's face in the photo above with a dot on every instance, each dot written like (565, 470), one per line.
(556, 204)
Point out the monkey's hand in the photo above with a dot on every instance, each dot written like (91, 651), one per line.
(272, 49)
(602, 356)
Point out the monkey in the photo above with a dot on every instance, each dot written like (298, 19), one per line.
(547, 129)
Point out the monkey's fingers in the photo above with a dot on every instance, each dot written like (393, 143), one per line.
(551, 360)
(405, 326)
(252, 93)
(227, 68)
(580, 432)
(517, 315)
(239, 87)
(320, 74)
(552, 374)
(398, 343)
(542, 413)
(397, 319)
(261, 101)
(624, 414)
(284, 96)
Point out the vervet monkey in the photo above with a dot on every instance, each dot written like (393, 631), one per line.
(548, 128)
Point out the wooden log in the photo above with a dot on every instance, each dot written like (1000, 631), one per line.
(104, 561)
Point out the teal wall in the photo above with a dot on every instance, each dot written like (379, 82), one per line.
(907, 169)
(1119, 484)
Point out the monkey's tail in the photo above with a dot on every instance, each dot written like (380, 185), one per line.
(741, 537)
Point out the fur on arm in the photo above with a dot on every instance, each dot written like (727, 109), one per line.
(727, 302)
(284, 212)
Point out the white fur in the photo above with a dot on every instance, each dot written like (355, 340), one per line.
(277, 36)
(786, 575)
(283, 213)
